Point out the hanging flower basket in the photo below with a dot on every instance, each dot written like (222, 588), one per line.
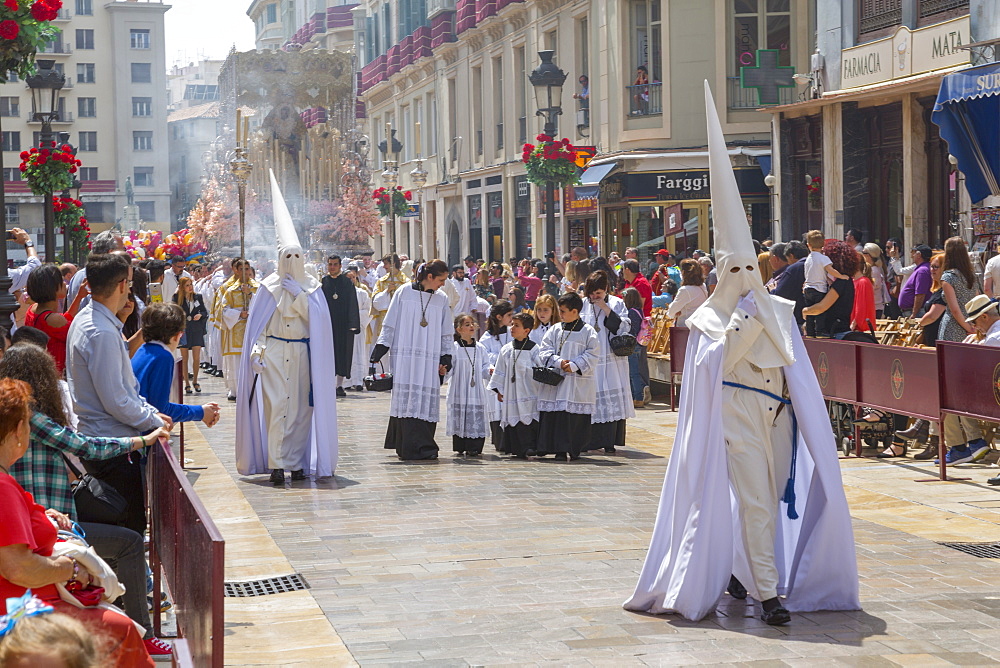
(49, 169)
(69, 213)
(551, 161)
(392, 201)
(24, 29)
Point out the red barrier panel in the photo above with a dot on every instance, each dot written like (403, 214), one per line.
(899, 380)
(836, 368)
(187, 546)
(969, 377)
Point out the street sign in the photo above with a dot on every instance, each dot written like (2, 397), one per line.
(412, 211)
(584, 154)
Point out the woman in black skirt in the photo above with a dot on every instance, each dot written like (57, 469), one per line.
(194, 334)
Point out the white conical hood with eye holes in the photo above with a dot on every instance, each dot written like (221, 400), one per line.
(736, 262)
(291, 258)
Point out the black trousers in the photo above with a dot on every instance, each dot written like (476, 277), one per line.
(124, 551)
(411, 438)
(472, 446)
(124, 473)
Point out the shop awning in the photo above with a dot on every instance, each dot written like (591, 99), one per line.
(590, 180)
(968, 112)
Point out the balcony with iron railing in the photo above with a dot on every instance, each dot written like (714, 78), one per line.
(645, 99)
(63, 117)
(746, 98)
(57, 49)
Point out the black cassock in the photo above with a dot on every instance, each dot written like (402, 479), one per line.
(342, 298)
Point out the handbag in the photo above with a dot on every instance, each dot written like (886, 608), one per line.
(547, 375)
(645, 332)
(378, 382)
(95, 500)
(623, 345)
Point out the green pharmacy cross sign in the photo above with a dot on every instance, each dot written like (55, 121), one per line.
(767, 76)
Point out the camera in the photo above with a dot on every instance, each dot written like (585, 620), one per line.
(11, 236)
(550, 255)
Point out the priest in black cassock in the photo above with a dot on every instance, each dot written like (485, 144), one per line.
(342, 298)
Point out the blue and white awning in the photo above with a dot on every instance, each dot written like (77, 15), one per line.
(590, 180)
(968, 112)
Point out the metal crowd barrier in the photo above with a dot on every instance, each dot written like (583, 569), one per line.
(188, 549)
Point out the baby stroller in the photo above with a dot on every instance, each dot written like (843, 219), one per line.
(873, 426)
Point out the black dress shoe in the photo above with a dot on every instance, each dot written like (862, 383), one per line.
(278, 477)
(995, 480)
(561, 456)
(341, 392)
(736, 588)
(774, 613)
(298, 475)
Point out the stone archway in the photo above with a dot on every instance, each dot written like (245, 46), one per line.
(454, 244)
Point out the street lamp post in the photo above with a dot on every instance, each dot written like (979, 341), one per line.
(69, 253)
(548, 80)
(418, 177)
(770, 181)
(45, 88)
(391, 176)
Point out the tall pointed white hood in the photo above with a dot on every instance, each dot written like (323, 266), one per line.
(291, 258)
(736, 262)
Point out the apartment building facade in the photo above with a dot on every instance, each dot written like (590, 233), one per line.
(863, 152)
(307, 24)
(461, 70)
(113, 107)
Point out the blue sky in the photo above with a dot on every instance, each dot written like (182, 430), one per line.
(198, 29)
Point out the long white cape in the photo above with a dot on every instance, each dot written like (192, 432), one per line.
(251, 432)
(692, 552)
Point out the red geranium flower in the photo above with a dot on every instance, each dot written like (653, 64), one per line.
(45, 10)
(9, 29)
(11, 5)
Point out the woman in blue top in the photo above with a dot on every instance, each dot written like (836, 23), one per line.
(162, 327)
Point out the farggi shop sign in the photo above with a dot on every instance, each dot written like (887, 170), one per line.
(905, 53)
(679, 185)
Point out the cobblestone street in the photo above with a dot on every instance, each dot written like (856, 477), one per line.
(493, 561)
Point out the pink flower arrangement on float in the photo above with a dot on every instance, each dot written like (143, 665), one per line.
(551, 160)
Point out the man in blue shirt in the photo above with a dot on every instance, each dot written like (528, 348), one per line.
(104, 388)
(162, 327)
(790, 281)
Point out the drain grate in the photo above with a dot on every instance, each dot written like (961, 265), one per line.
(278, 585)
(981, 550)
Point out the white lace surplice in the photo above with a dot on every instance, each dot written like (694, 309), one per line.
(577, 393)
(493, 346)
(517, 385)
(416, 351)
(614, 394)
(467, 394)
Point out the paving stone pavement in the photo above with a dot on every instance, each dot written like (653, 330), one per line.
(502, 562)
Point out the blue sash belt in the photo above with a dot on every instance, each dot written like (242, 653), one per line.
(789, 495)
(308, 354)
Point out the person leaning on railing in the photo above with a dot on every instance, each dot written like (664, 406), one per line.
(27, 537)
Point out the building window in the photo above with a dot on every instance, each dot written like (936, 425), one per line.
(142, 140)
(143, 176)
(86, 107)
(760, 25)
(88, 141)
(84, 38)
(646, 54)
(201, 92)
(874, 15)
(85, 7)
(11, 141)
(271, 11)
(88, 173)
(85, 73)
(142, 106)
(147, 210)
(11, 174)
(139, 38)
(13, 215)
(142, 73)
(10, 106)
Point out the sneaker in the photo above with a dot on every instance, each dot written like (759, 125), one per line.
(979, 449)
(158, 650)
(164, 603)
(341, 392)
(637, 403)
(647, 396)
(956, 455)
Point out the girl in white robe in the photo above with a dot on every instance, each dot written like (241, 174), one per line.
(467, 389)
(608, 315)
(517, 390)
(495, 338)
(546, 315)
(564, 410)
(418, 331)
(359, 360)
